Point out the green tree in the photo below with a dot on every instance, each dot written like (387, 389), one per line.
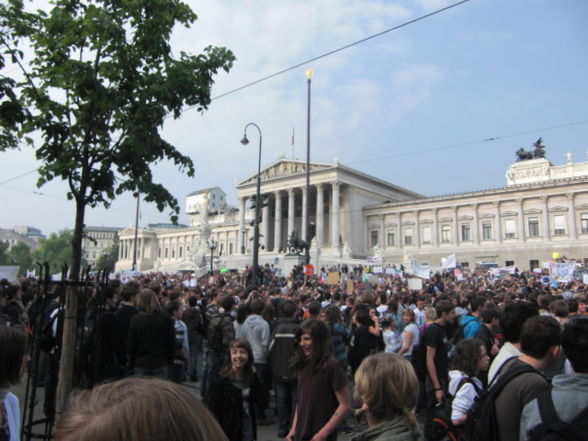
(108, 258)
(3, 253)
(55, 250)
(20, 254)
(102, 82)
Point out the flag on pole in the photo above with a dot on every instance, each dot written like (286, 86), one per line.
(292, 135)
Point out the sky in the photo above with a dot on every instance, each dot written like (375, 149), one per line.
(438, 106)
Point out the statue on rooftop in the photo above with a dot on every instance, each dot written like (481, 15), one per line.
(539, 152)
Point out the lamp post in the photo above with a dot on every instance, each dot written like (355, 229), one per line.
(308, 75)
(255, 268)
(135, 247)
(212, 247)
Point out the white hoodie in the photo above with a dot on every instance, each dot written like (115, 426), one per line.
(257, 332)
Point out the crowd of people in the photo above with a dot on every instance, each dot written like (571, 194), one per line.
(411, 364)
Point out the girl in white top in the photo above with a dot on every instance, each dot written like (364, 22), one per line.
(469, 360)
(410, 334)
(13, 361)
(390, 335)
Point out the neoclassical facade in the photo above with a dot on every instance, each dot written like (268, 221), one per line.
(542, 209)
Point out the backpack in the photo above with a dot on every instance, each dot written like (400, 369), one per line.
(205, 317)
(440, 427)
(554, 429)
(419, 358)
(481, 422)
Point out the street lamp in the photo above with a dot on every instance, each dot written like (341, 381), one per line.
(255, 268)
(212, 247)
(308, 75)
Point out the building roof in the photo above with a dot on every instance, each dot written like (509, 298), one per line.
(204, 190)
(103, 229)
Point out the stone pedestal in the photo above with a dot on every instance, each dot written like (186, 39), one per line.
(289, 261)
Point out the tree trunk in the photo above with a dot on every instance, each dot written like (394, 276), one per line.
(70, 319)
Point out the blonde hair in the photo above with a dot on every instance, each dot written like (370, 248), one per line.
(137, 409)
(388, 385)
(430, 314)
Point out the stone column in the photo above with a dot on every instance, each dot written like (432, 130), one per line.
(572, 217)
(382, 238)
(498, 223)
(335, 215)
(476, 226)
(455, 227)
(278, 222)
(304, 213)
(417, 232)
(546, 230)
(435, 227)
(240, 246)
(265, 224)
(400, 235)
(521, 216)
(291, 196)
(320, 214)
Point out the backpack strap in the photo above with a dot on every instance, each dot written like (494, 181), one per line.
(500, 369)
(502, 380)
(576, 430)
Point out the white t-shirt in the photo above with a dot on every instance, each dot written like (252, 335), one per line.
(414, 339)
(391, 340)
(465, 396)
(13, 415)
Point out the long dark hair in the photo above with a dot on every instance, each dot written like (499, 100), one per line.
(321, 345)
(227, 370)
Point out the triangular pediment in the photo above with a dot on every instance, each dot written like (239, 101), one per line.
(284, 168)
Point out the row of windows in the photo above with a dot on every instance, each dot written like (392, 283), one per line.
(167, 254)
(510, 231)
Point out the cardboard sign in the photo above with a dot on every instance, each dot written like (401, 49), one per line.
(350, 286)
(333, 278)
(308, 270)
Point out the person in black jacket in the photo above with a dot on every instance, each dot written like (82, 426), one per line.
(281, 351)
(236, 392)
(152, 340)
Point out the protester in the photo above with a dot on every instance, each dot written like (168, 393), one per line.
(13, 361)
(236, 393)
(323, 395)
(569, 392)
(151, 342)
(469, 360)
(410, 334)
(385, 388)
(137, 409)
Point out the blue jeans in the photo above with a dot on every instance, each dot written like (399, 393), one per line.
(286, 396)
(210, 370)
(195, 348)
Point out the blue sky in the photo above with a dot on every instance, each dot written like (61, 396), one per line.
(511, 70)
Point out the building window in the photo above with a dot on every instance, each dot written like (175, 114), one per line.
(486, 230)
(390, 239)
(465, 232)
(427, 235)
(408, 236)
(509, 263)
(374, 238)
(231, 248)
(533, 264)
(465, 264)
(584, 222)
(445, 233)
(180, 252)
(510, 231)
(165, 254)
(533, 227)
(559, 224)
(159, 253)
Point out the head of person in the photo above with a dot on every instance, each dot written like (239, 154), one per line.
(257, 306)
(490, 317)
(408, 316)
(541, 337)
(13, 355)
(559, 308)
(287, 309)
(314, 345)
(239, 362)
(227, 302)
(243, 311)
(477, 303)
(148, 303)
(131, 410)
(470, 357)
(574, 342)
(362, 317)
(332, 314)
(445, 311)
(130, 291)
(513, 317)
(314, 308)
(387, 387)
(430, 314)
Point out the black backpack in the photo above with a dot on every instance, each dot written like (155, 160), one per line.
(481, 422)
(419, 358)
(554, 429)
(441, 427)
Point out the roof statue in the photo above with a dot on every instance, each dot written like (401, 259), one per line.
(539, 152)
